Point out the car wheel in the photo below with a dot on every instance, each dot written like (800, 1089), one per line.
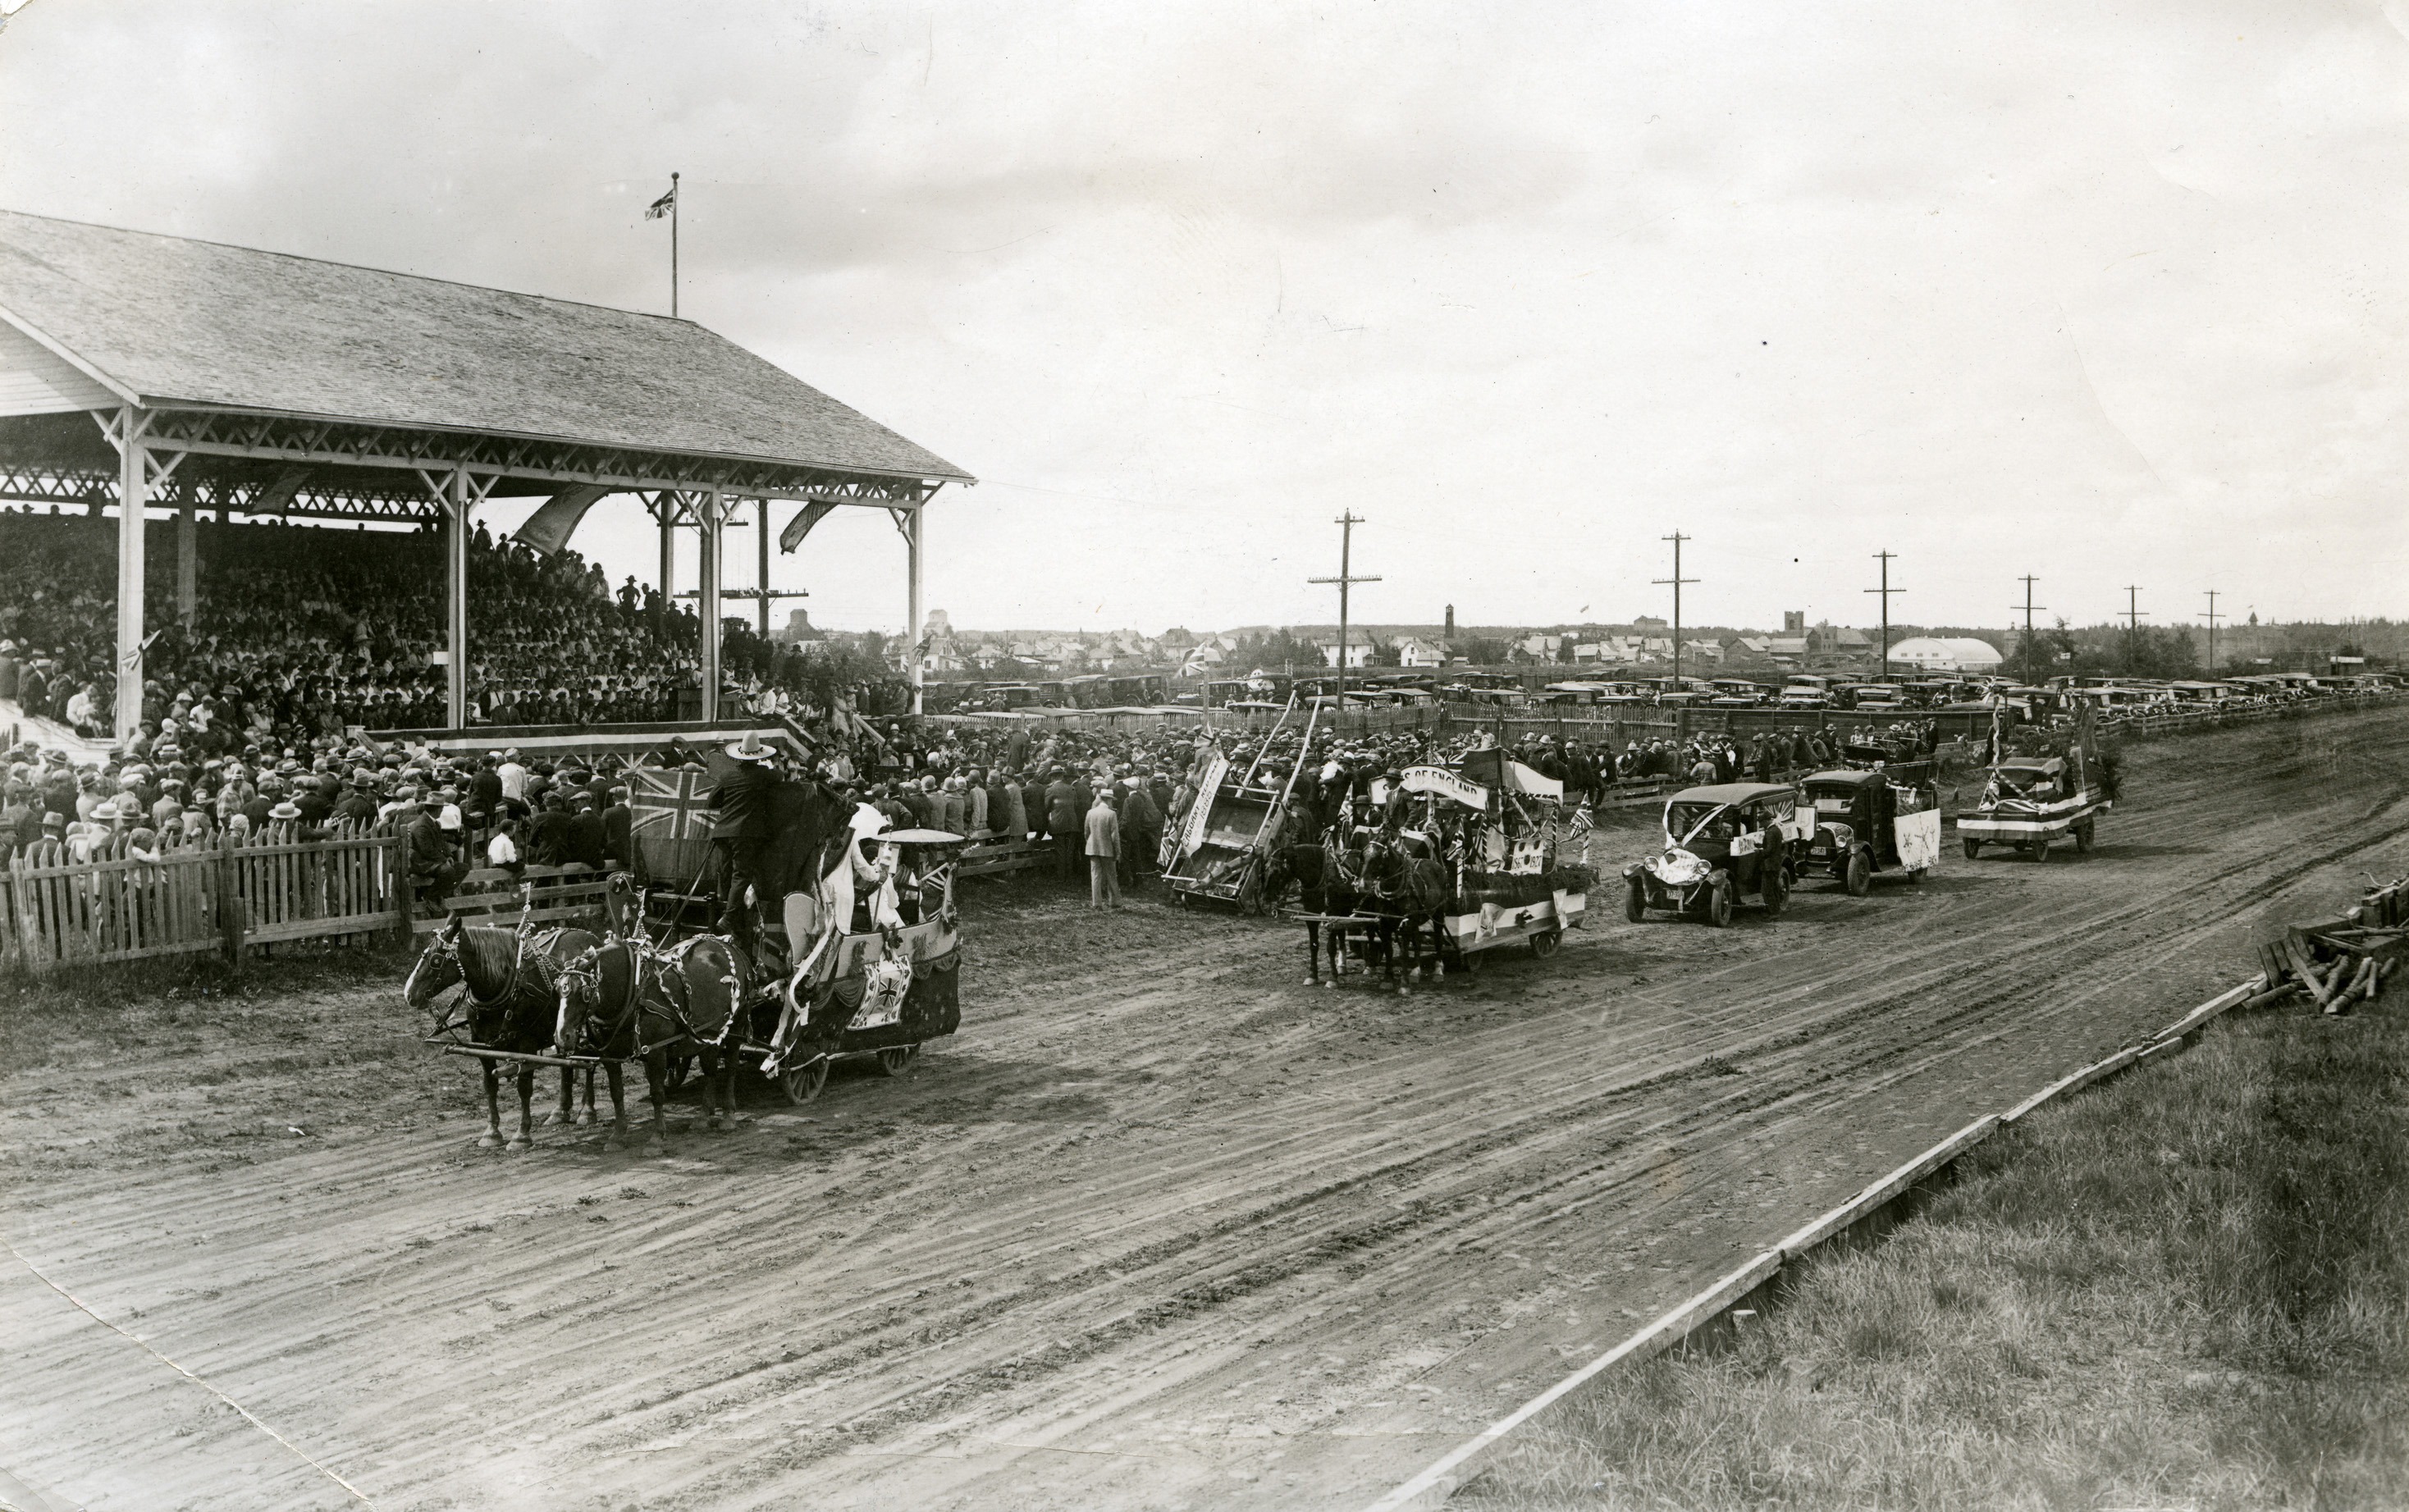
(1973, 850)
(2083, 837)
(1860, 878)
(1719, 902)
(1634, 901)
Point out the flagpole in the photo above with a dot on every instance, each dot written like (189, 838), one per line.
(673, 229)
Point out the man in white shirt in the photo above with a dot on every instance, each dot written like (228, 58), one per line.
(502, 851)
(514, 776)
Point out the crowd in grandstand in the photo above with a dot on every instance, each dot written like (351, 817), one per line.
(301, 632)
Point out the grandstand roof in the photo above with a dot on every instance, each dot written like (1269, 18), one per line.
(167, 320)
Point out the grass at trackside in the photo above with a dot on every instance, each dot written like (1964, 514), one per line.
(2187, 1289)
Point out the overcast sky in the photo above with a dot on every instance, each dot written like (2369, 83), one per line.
(2108, 295)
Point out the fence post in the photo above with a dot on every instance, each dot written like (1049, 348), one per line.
(230, 907)
(397, 871)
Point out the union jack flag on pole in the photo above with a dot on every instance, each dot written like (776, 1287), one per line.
(670, 821)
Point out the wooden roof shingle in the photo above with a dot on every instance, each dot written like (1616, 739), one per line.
(170, 319)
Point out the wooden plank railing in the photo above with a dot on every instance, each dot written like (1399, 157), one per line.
(576, 893)
(991, 857)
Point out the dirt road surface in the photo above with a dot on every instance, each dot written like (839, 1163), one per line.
(1160, 1228)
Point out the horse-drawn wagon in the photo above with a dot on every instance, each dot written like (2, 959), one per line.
(1467, 864)
(860, 963)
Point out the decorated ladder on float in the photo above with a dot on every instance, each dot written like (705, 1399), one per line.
(1221, 847)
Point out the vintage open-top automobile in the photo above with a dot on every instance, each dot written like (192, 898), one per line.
(1722, 843)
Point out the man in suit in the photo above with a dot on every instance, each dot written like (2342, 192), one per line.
(587, 840)
(1104, 838)
(1064, 811)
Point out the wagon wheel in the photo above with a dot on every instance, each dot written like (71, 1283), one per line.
(679, 1068)
(802, 1083)
(1544, 944)
(892, 1060)
(1250, 891)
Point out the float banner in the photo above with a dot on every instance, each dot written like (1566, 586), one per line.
(1445, 784)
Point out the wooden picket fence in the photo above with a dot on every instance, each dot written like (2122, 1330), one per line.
(57, 911)
(576, 893)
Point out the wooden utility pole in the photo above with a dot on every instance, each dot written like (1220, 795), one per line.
(2213, 616)
(2028, 580)
(1886, 590)
(1345, 579)
(1675, 581)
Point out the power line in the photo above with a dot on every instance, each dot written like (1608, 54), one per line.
(1346, 580)
(1676, 580)
(1886, 590)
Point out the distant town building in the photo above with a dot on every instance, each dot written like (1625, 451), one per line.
(1794, 622)
(1414, 652)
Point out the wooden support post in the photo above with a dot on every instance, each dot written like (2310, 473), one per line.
(668, 552)
(706, 605)
(133, 490)
(187, 566)
(911, 543)
(455, 572)
(762, 580)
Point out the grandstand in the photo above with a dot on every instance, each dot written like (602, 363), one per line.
(163, 376)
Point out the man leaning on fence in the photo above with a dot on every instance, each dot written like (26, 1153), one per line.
(435, 867)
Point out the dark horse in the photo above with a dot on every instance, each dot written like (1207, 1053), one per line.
(636, 998)
(508, 976)
(623, 1001)
(1394, 890)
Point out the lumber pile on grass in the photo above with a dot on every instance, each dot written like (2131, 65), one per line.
(2343, 963)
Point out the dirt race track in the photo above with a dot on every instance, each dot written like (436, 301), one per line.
(1160, 1228)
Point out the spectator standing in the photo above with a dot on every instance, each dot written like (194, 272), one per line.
(1062, 821)
(1104, 836)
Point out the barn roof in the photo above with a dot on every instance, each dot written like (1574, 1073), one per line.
(167, 320)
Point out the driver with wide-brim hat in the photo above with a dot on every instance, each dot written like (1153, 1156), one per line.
(740, 826)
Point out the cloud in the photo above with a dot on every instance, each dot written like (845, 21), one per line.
(2005, 289)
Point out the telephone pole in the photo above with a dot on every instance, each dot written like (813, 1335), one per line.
(2213, 616)
(1676, 580)
(1345, 579)
(2027, 580)
(1886, 590)
(2132, 628)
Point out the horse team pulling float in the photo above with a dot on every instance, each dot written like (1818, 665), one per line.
(876, 977)
(1467, 864)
